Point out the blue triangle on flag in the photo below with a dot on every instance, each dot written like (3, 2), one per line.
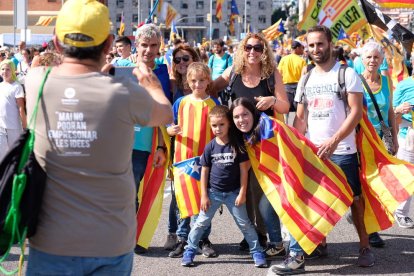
(190, 167)
(342, 34)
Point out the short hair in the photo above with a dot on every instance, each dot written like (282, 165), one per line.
(93, 52)
(372, 46)
(320, 29)
(124, 39)
(220, 111)
(218, 41)
(148, 31)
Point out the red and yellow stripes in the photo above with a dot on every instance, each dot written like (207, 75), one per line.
(310, 195)
(219, 11)
(386, 180)
(409, 4)
(151, 194)
(195, 135)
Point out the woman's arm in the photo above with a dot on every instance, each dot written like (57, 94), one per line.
(221, 82)
(22, 112)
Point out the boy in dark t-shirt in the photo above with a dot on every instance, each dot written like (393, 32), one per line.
(224, 176)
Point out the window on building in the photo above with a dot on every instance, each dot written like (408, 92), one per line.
(262, 19)
(118, 17)
(262, 5)
(214, 5)
(135, 17)
(229, 5)
(248, 4)
(51, 0)
(215, 20)
(200, 5)
(200, 18)
(184, 5)
(216, 33)
(120, 4)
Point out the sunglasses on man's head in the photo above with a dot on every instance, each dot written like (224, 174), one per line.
(257, 48)
(185, 58)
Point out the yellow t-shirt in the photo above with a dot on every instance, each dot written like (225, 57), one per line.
(290, 67)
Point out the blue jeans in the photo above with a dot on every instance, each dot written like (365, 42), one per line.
(239, 214)
(271, 220)
(40, 263)
(139, 164)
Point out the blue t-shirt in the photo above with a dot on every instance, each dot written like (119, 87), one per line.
(218, 65)
(124, 62)
(143, 135)
(224, 166)
(404, 92)
(382, 97)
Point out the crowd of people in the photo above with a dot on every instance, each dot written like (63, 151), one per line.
(219, 100)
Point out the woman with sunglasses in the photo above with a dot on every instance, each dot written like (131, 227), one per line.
(253, 64)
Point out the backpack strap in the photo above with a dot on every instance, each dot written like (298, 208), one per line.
(343, 94)
(227, 91)
(270, 81)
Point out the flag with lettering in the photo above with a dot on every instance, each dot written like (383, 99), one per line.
(151, 192)
(187, 186)
(334, 14)
(408, 4)
(45, 20)
(219, 9)
(386, 180)
(274, 31)
(310, 195)
(192, 117)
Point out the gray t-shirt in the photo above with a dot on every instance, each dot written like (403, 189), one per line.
(84, 136)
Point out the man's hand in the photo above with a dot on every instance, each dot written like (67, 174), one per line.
(159, 158)
(146, 77)
(173, 130)
(327, 148)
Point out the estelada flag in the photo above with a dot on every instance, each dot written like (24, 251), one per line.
(188, 194)
(408, 4)
(151, 192)
(310, 195)
(273, 32)
(386, 180)
(192, 117)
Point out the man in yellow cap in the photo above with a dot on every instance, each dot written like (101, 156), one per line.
(84, 136)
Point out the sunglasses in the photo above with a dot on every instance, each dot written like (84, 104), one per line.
(185, 58)
(257, 48)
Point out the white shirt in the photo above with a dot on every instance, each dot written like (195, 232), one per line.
(9, 111)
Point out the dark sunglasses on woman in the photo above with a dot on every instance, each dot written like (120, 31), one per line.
(257, 48)
(185, 58)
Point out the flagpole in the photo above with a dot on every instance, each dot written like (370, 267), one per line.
(245, 17)
(211, 21)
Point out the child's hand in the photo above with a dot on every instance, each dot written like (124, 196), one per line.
(240, 200)
(173, 130)
(205, 203)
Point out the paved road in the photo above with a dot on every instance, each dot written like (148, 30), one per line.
(397, 258)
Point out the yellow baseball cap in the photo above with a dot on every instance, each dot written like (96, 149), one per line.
(88, 17)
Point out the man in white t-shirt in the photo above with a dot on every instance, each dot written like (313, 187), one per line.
(330, 122)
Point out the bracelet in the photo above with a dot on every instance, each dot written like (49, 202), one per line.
(162, 148)
(274, 102)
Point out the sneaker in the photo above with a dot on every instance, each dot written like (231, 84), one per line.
(207, 249)
(273, 251)
(292, 265)
(366, 257)
(171, 242)
(139, 250)
(188, 257)
(404, 222)
(179, 250)
(375, 240)
(259, 259)
(244, 246)
(320, 251)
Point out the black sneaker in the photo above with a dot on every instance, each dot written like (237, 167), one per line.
(320, 251)
(207, 249)
(273, 251)
(139, 250)
(179, 250)
(244, 246)
(171, 242)
(375, 240)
